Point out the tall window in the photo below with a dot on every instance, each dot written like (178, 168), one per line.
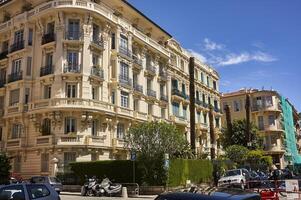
(113, 36)
(120, 131)
(124, 71)
(198, 114)
(50, 28)
(123, 42)
(183, 88)
(150, 109)
(14, 97)
(27, 95)
(16, 68)
(204, 98)
(16, 131)
(214, 85)
(30, 36)
(175, 108)
(162, 89)
(94, 127)
(215, 104)
(44, 162)
(149, 84)
(19, 36)
(95, 92)
(48, 60)
(5, 46)
(136, 104)
(68, 158)
(174, 84)
(269, 101)
(95, 33)
(237, 106)
(260, 123)
(73, 29)
(17, 163)
(46, 127)
(272, 120)
(185, 112)
(72, 59)
(70, 125)
(205, 118)
(1, 133)
(124, 99)
(71, 90)
(208, 81)
(113, 97)
(202, 77)
(47, 91)
(95, 60)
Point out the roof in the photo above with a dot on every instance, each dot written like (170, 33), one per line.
(151, 21)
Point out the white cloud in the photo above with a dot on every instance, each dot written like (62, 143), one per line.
(233, 59)
(211, 46)
(198, 55)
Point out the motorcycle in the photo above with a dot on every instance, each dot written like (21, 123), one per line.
(91, 188)
(108, 188)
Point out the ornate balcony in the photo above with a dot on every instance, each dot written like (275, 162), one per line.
(72, 69)
(17, 46)
(97, 72)
(125, 81)
(163, 97)
(46, 70)
(151, 93)
(15, 76)
(2, 83)
(138, 88)
(3, 55)
(176, 91)
(163, 75)
(151, 69)
(125, 52)
(97, 43)
(47, 38)
(73, 35)
(137, 62)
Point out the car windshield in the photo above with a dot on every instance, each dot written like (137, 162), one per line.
(54, 180)
(38, 179)
(233, 173)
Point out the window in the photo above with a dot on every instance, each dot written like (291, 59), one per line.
(47, 91)
(197, 95)
(185, 112)
(95, 93)
(120, 131)
(237, 106)
(204, 98)
(269, 101)
(208, 81)
(71, 90)
(46, 127)
(2, 76)
(95, 60)
(209, 101)
(162, 89)
(50, 28)
(36, 191)
(198, 114)
(12, 192)
(94, 127)
(19, 36)
(173, 59)
(150, 109)
(148, 59)
(16, 68)
(260, 123)
(16, 131)
(163, 111)
(113, 97)
(136, 104)
(44, 162)
(27, 93)
(14, 97)
(113, 41)
(175, 108)
(1, 129)
(215, 104)
(72, 59)
(217, 125)
(183, 88)
(48, 60)
(28, 67)
(174, 84)
(30, 36)
(272, 120)
(73, 29)
(68, 158)
(214, 85)
(123, 42)
(17, 163)
(124, 71)
(95, 33)
(1, 102)
(124, 99)
(202, 77)
(205, 118)
(70, 125)
(149, 84)
(5, 46)
(182, 65)
(94, 157)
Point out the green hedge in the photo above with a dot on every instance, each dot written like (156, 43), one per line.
(122, 171)
(196, 171)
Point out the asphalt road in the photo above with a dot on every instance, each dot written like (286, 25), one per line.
(78, 197)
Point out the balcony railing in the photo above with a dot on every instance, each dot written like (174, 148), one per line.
(185, 96)
(176, 91)
(151, 93)
(98, 72)
(163, 74)
(15, 77)
(17, 46)
(124, 80)
(98, 42)
(163, 97)
(2, 83)
(137, 60)
(138, 88)
(72, 69)
(73, 35)
(125, 51)
(199, 102)
(3, 55)
(47, 38)
(151, 68)
(46, 70)
(216, 109)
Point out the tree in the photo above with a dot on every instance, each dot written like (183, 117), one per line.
(237, 154)
(151, 141)
(5, 168)
(238, 135)
(257, 160)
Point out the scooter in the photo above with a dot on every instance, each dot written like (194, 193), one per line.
(108, 188)
(90, 187)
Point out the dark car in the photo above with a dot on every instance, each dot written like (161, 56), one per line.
(214, 196)
(53, 181)
(235, 194)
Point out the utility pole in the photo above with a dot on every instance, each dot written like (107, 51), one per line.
(192, 104)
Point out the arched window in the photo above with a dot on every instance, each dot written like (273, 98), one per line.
(46, 127)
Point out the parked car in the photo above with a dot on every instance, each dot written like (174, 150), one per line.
(235, 193)
(235, 177)
(53, 181)
(195, 196)
(28, 191)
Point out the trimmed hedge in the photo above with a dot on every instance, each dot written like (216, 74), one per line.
(121, 171)
(197, 171)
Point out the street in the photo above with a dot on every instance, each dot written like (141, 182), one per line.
(78, 197)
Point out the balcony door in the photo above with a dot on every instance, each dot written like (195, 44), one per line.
(124, 71)
(123, 42)
(50, 28)
(16, 68)
(49, 59)
(19, 36)
(73, 29)
(72, 58)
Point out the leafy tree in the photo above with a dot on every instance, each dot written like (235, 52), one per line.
(257, 160)
(5, 168)
(238, 135)
(237, 154)
(151, 140)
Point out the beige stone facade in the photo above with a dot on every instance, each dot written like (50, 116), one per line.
(76, 74)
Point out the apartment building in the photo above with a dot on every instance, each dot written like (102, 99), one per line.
(76, 74)
(274, 117)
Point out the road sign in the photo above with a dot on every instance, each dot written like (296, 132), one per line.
(133, 156)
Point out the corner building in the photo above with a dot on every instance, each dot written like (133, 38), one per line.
(76, 74)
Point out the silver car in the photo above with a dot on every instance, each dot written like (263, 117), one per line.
(28, 191)
(53, 181)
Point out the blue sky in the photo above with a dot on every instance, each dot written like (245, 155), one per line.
(252, 43)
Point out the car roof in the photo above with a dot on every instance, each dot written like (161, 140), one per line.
(190, 196)
(234, 193)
